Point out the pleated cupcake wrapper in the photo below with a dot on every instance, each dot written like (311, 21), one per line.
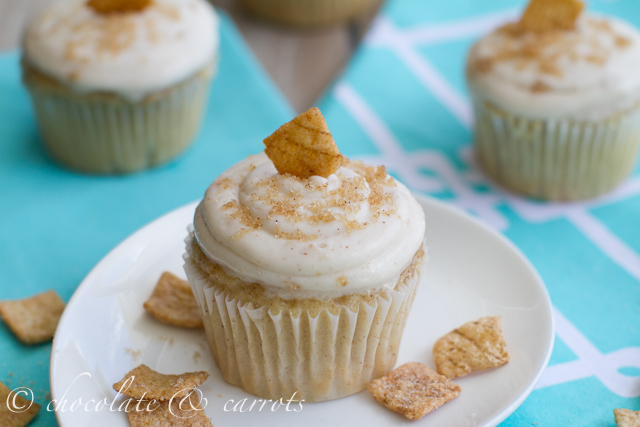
(317, 358)
(556, 159)
(113, 135)
(308, 12)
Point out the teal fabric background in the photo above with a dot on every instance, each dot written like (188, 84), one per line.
(402, 102)
(55, 225)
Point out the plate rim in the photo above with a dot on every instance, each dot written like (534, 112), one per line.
(519, 399)
(422, 199)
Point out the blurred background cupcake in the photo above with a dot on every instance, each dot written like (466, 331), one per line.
(557, 101)
(120, 85)
(311, 13)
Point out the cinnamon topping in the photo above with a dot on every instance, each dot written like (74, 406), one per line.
(298, 235)
(545, 50)
(242, 213)
(540, 86)
(110, 36)
(118, 6)
(338, 204)
(225, 183)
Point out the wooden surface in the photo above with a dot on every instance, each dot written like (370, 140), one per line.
(301, 62)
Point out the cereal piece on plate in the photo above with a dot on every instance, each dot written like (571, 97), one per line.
(473, 346)
(304, 147)
(172, 302)
(547, 15)
(21, 411)
(183, 412)
(413, 390)
(149, 384)
(33, 320)
(627, 418)
(118, 6)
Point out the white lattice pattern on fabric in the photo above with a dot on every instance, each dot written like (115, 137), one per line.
(407, 166)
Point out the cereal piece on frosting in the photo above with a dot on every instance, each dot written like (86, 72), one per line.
(177, 413)
(33, 320)
(20, 412)
(626, 418)
(118, 6)
(172, 302)
(413, 390)
(145, 383)
(547, 15)
(473, 346)
(304, 147)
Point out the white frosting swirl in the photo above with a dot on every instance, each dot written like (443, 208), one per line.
(585, 73)
(133, 54)
(277, 230)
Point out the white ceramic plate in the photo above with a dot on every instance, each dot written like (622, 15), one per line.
(472, 272)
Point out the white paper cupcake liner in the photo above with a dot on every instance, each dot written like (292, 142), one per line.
(308, 12)
(556, 159)
(108, 134)
(317, 358)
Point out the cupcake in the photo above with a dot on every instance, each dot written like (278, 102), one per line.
(305, 266)
(309, 13)
(557, 101)
(120, 85)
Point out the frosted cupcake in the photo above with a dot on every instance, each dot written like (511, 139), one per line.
(309, 13)
(120, 85)
(305, 266)
(556, 98)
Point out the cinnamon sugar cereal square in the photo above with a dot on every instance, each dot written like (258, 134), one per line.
(33, 320)
(626, 418)
(304, 147)
(186, 412)
(413, 390)
(15, 410)
(548, 15)
(473, 346)
(172, 302)
(145, 383)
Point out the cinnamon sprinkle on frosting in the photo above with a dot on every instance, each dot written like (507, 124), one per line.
(298, 235)
(225, 183)
(622, 42)
(540, 86)
(110, 36)
(242, 213)
(348, 198)
(314, 232)
(546, 50)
